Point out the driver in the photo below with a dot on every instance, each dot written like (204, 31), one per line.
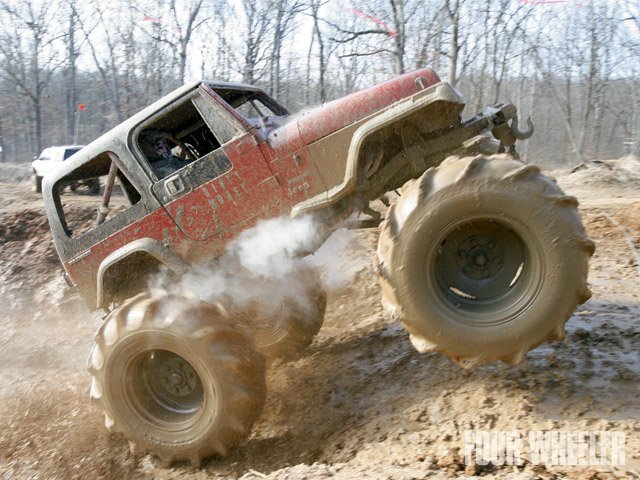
(157, 150)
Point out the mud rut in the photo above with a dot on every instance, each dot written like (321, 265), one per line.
(360, 403)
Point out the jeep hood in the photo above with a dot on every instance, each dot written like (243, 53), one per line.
(311, 125)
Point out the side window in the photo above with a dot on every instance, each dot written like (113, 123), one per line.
(254, 108)
(257, 108)
(177, 138)
(95, 193)
(252, 105)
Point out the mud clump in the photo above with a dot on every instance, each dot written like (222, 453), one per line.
(28, 259)
(24, 225)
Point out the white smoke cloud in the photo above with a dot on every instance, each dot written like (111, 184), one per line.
(271, 249)
(340, 259)
(269, 266)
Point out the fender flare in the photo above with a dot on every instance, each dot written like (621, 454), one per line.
(150, 246)
(441, 92)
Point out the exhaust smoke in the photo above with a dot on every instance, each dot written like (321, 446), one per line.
(270, 266)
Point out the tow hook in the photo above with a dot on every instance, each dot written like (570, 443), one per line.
(521, 134)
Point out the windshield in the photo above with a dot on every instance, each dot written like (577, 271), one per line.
(251, 104)
(69, 151)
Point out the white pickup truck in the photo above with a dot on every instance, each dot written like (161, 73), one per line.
(51, 160)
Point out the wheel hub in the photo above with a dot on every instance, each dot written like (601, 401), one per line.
(478, 264)
(480, 256)
(178, 378)
(166, 386)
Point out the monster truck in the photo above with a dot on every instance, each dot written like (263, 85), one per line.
(481, 258)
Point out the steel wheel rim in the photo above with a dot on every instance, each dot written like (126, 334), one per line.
(483, 268)
(162, 387)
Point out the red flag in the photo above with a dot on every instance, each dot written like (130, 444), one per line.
(147, 18)
(81, 106)
(375, 20)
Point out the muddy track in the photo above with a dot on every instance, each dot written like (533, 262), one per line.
(360, 402)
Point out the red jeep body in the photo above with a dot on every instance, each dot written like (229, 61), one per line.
(275, 164)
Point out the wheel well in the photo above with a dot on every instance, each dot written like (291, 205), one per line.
(129, 276)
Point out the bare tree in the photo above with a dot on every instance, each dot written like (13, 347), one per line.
(106, 66)
(29, 60)
(381, 32)
(178, 32)
(453, 11)
(285, 14)
(317, 37)
(578, 76)
(601, 36)
(72, 51)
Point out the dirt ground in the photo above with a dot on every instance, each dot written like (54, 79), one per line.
(360, 403)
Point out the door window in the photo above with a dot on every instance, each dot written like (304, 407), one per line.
(210, 173)
(177, 138)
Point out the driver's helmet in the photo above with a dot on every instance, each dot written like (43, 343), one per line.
(157, 140)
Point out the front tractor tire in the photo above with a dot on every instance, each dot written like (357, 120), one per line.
(176, 377)
(483, 259)
(287, 332)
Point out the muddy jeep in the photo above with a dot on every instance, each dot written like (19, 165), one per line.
(481, 258)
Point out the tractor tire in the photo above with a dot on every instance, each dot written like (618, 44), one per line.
(483, 259)
(286, 333)
(37, 183)
(176, 377)
(93, 186)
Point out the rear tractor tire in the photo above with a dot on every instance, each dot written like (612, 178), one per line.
(93, 186)
(176, 377)
(483, 259)
(37, 182)
(286, 332)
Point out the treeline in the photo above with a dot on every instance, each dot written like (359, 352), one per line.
(70, 70)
